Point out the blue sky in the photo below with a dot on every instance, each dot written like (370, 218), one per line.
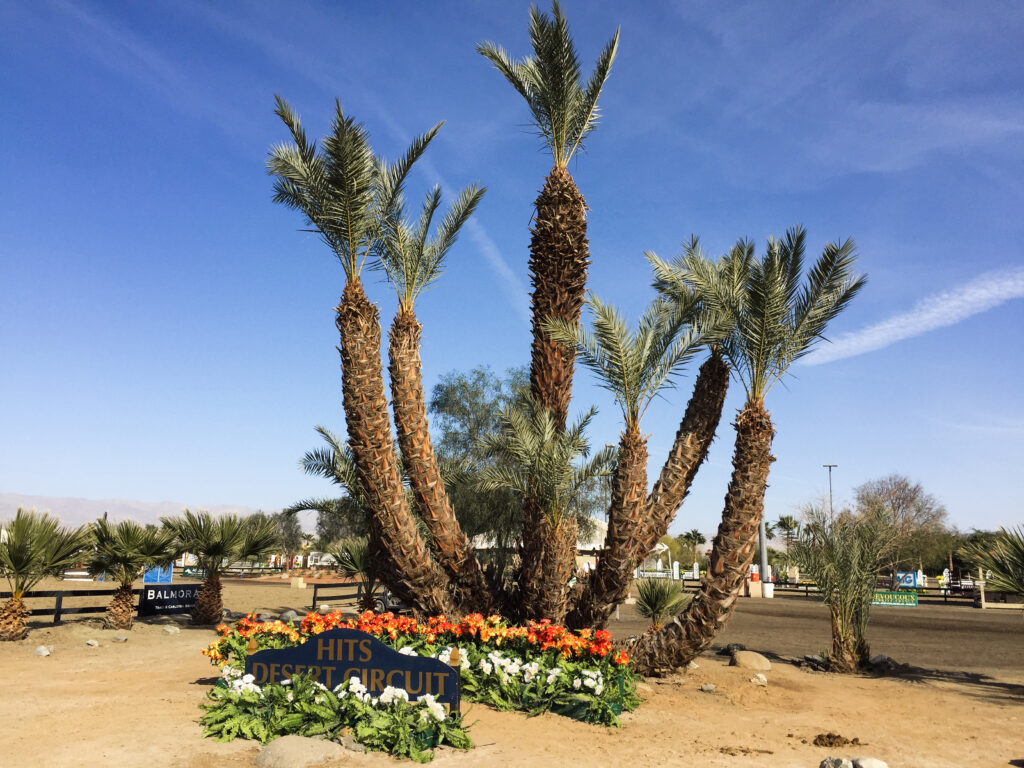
(168, 331)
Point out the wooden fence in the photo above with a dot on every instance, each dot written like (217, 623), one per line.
(59, 609)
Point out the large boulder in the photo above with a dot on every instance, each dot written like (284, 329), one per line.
(298, 752)
(750, 660)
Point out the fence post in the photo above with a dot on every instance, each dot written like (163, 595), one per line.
(57, 608)
(313, 607)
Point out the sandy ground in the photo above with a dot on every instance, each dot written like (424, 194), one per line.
(960, 704)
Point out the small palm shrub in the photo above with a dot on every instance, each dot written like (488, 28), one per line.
(352, 556)
(657, 599)
(1003, 555)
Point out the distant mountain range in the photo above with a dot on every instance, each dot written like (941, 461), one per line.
(78, 511)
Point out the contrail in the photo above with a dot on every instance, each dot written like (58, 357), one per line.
(944, 309)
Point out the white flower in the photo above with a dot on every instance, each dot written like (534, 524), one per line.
(407, 651)
(318, 699)
(248, 679)
(486, 667)
(598, 688)
(392, 694)
(553, 674)
(576, 683)
(290, 696)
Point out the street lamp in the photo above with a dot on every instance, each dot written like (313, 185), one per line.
(831, 511)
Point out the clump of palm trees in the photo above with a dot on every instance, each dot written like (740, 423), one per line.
(740, 315)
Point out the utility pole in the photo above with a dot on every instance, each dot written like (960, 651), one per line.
(831, 511)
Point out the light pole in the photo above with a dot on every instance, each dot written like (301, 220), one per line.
(831, 511)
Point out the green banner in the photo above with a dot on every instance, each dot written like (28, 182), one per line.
(193, 572)
(895, 598)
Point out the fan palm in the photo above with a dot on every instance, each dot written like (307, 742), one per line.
(536, 459)
(694, 538)
(34, 546)
(1003, 555)
(413, 260)
(776, 321)
(217, 543)
(564, 111)
(634, 366)
(657, 599)
(349, 197)
(124, 552)
(353, 559)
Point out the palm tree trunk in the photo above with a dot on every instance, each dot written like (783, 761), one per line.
(209, 607)
(559, 257)
(451, 546)
(608, 584)
(13, 617)
(402, 557)
(549, 562)
(641, 528)
(844, 656)
(121, 611)
(692, 631)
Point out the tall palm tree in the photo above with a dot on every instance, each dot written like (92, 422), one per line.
(413, 260)
(790, 528)
(536, 460)
(124, 552)
(564, 111)
(777, 321)
(349, 196)
(694, 538)
(634, 366)
(218, 543)
(34, 546)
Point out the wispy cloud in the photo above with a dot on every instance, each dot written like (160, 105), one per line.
(939, 311)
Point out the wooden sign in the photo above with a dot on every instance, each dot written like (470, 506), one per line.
(335, 656)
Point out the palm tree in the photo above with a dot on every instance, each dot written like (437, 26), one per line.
(535, 459)
(354, 560)
(217, 543)
(413, 260)
(349, 197)
(1003, 555)
(124, 552)
(634, 367)
(34, 546)
(776, 322)
(565, 111)
(694, 538)
(657, 599)
(790, 528)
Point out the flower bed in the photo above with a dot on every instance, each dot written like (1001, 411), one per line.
(534, 668)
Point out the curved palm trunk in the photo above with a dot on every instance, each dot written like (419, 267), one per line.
(451, 546)
(609, 584)
(402, 558)
(209, 607)
(692, 631)
(121, 611)
(549, 562)
(13, 617)
(632, 533)
(559, 256)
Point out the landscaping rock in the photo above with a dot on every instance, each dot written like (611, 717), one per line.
(298, 752)
(759, 679)
(119, 638)
(44, 650)
(835, 762)
(868, 762)
(171, 630)
(288, 616)
(750, 660)
(348, 742)
(708, 688)
(92, 643)
(692, 666)
(324, 609)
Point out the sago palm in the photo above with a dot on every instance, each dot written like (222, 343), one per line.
(777, 319)
(413, 259)
(124, 552)
(217, 543)
(348, 196)
(537, 459)
(34, 546)
(634, 366)
(564, 111)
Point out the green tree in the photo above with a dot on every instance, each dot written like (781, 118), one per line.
(693, 539)
(790, 528)
(33, 546)
(124, 552)
(776, 321)
(289, 532)
(218, 543)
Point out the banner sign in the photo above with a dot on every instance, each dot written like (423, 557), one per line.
(907, 579)
(895, 598)
(193, 572)
(334, 656)
(159, 599)
(158, 575)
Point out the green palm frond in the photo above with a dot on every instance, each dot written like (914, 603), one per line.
(1003, 555)
(217, 542)
(345, 192)
(411, 258)
(35, 546)
(127, 550)
(632, 365)
(540, 461)
(563, 109)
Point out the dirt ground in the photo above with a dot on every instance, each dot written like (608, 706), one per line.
(958, 705)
